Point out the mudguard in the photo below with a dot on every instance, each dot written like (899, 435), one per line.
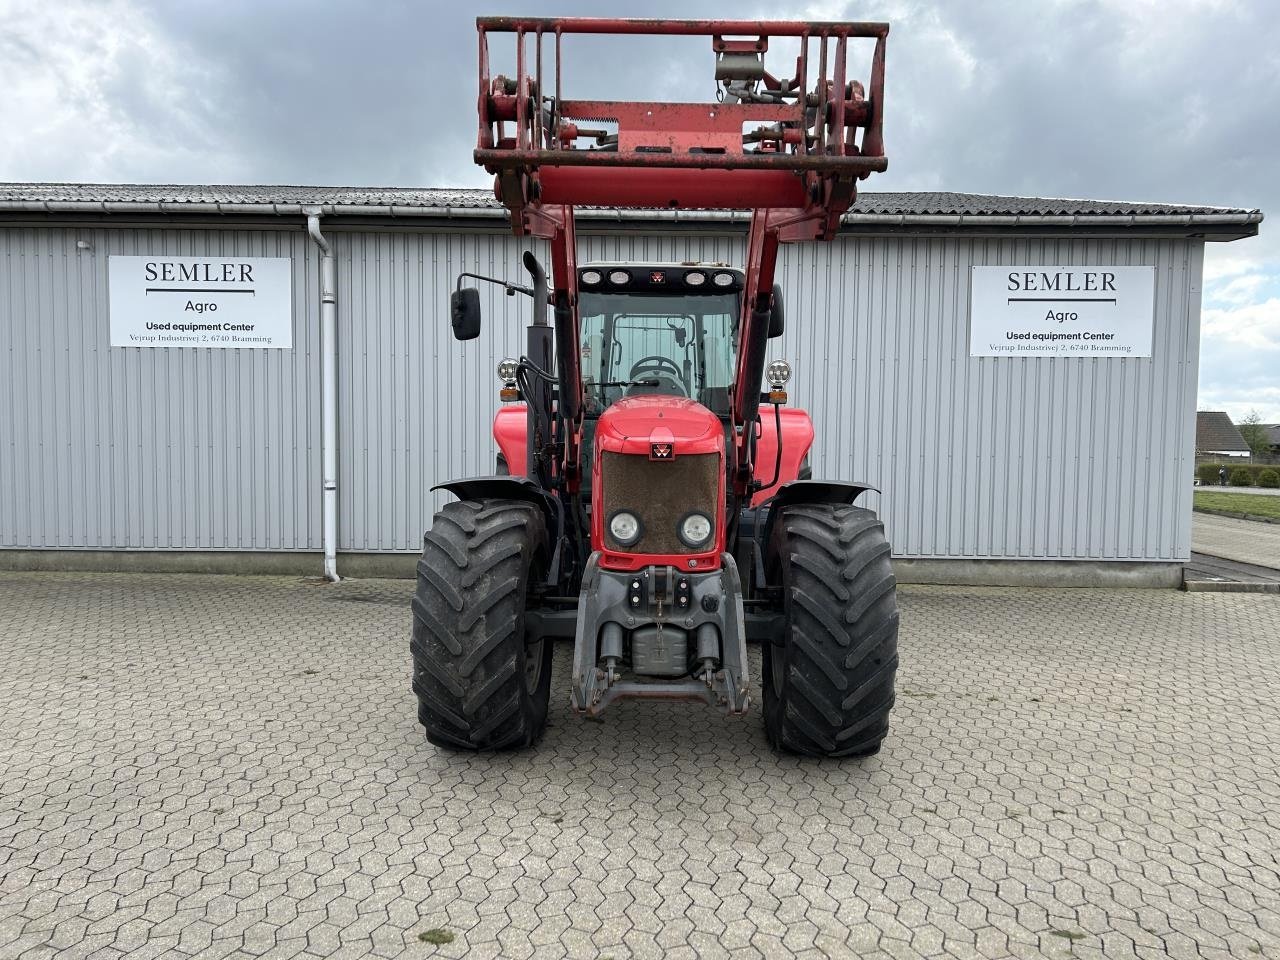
(812, 491)
(508, 488)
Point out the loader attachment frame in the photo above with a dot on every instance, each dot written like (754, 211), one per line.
(819, 132)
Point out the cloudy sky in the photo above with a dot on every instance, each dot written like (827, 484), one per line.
(1161, 100)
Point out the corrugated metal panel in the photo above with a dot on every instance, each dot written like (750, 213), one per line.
(164, 448)
(979, 457)
(994, 457)
(415, 406)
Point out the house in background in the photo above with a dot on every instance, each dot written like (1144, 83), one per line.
(1273, 438)
(1217, 437)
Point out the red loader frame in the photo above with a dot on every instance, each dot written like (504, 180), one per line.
(797, 170)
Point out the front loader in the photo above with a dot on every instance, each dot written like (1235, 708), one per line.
(651, 499)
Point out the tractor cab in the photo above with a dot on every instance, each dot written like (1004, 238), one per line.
(665, 329)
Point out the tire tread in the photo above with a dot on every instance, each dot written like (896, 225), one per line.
(841, 650)
(468, 626)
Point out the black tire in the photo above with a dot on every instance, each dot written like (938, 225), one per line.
(479, 686)
(828, 688)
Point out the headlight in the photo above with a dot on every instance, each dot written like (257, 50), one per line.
(778, 373)
(625, 528)
(619, 277)
(723, 279)
(695, 529)
(590, 277)
(695, 278)
(507, 370)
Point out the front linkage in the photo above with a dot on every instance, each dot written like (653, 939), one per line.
(687, 637)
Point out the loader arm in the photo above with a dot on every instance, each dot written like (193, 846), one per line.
(818, 133)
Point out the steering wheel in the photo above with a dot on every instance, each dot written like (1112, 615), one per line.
(656, 363)
(669, 381)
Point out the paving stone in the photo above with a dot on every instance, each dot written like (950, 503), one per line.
(231, 767)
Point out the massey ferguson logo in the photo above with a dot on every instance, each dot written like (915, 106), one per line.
(661, 451)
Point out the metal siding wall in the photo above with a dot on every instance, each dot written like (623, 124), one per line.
(992, 457)
(979, 457)
(168, 448)
(415, 406)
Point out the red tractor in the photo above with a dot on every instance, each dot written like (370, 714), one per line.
(643, 504)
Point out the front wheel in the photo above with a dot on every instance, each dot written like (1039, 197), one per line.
(828, 687)
(479, 685)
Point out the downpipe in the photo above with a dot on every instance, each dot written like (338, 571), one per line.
(328, 395)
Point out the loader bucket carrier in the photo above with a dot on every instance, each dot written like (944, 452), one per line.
(804, 161)
(798, 173)
(643, 505)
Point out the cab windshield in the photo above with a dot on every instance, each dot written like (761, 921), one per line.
(677, 344)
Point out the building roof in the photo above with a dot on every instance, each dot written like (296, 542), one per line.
(886, 209)
(436, 197)
(1273, 433)
(1215, 433)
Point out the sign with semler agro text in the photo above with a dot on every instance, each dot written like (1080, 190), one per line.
(230, 302)
(1061, 311)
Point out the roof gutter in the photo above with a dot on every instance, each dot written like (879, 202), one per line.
(852, 218)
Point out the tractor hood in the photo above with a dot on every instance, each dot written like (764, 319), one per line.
(658, 459)
(659, 427)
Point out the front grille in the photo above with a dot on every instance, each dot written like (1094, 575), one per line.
(660, 493)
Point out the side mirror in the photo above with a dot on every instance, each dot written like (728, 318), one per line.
(464, 313)
(775, 313)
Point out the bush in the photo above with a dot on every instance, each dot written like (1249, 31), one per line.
(1269, 478)
(1208, 473)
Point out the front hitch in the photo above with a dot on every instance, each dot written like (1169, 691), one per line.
(694, 651)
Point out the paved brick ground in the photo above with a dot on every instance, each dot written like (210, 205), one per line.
(1247, 541)
(231, 767)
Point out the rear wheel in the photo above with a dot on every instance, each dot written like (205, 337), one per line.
(479, 686)
(828, 687)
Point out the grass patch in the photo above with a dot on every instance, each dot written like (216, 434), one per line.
(1254, 504)
(436, 935)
